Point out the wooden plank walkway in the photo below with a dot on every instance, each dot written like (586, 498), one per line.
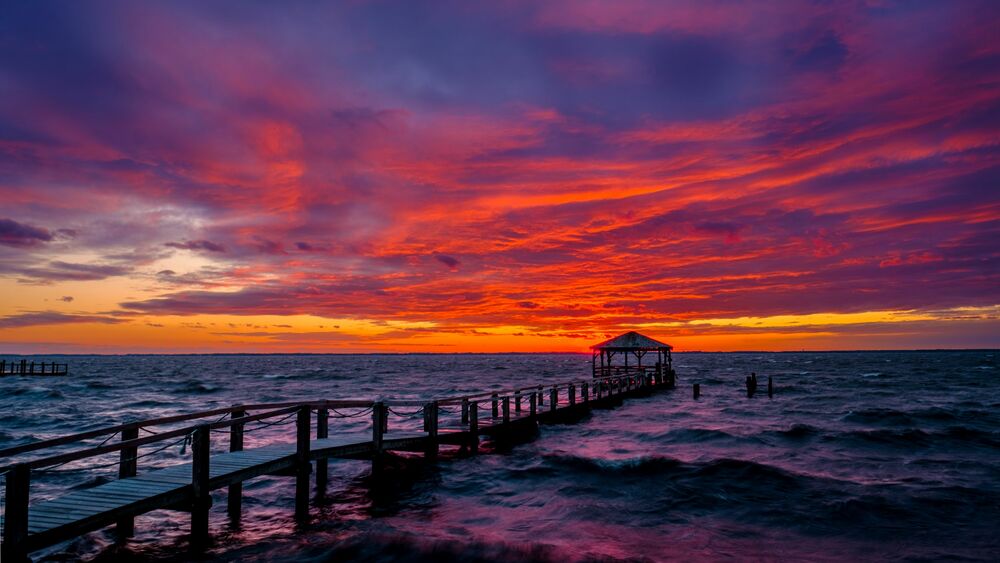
(187, 486)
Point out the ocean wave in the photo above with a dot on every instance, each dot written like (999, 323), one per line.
(192, 386)
(796, 432)
(410, 548)
(693, 435)
(915, 437)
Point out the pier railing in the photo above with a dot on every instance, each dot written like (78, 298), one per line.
(24, 367)
(458, 416)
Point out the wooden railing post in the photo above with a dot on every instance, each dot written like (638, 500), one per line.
(15, 522)
(506, 409)
(378, 427)
(127, 466)
(431, 426)
(234, 497)
(517, 401)
(322, 465)
(474, 426)
(201, 500)
(496, 407)
(465, 410)
(586, 391)
(553, 398)
(571, 393)
(303, 465)
(533, 404)
(541, 395)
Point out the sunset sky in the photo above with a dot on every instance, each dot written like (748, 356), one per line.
(498, 176)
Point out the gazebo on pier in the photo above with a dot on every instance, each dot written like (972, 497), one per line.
(635, 345)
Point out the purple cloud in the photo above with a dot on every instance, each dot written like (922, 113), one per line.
(449, 261)
(13, 233)
(197, 245)
(53, 318)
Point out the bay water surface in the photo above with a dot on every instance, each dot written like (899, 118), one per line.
(889, 456)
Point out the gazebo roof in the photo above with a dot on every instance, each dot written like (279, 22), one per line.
(631, 341)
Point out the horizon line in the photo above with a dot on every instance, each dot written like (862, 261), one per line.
(509, 353)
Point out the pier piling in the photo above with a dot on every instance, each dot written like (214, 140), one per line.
(303, 467)
(15, 525)
(234, 497)
(697, 390)
(200, 491)
(322, 465)
(127, 467)
(474, 427)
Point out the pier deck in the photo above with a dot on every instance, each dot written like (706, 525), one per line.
(187, 486)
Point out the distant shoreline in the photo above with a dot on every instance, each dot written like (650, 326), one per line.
(898, 351)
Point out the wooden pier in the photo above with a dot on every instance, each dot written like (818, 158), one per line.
(24, 367)
(456, 421)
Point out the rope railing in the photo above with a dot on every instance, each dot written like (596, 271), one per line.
(61, 459)
(226, 419)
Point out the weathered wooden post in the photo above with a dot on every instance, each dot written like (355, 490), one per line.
(127, 466)
(541, 395)
(303, 465)
(3, 366)
(322, 465)
(533, 404)
(697, 390)
(496, 406)
(517, 402)
(770, 387)
(201, 495)
(749, 387)
(32, 368)
(465, 410)
(553, 398)
(15, 522)
(431, 427)
(506, 409)
(586, 392)
(474, 426)
(571, 394)
(24, 364)
(234, 497)
(378, 427)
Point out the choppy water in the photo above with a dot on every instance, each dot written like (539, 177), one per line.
(868, 455)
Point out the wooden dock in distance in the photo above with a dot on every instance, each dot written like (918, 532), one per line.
(24, 367)
(458, 421)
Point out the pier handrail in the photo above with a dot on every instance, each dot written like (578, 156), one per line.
(282, 408)
(135, 442)
(135, 424)
(512, 390)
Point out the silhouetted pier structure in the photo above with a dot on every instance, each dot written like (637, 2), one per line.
(25, 367)
(457, 421)
(633, 344)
